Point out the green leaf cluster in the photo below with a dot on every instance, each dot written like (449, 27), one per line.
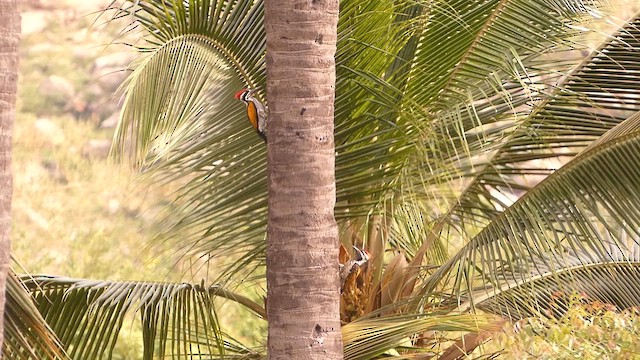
(586, 330)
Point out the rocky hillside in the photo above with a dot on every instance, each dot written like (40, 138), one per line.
(74, 212)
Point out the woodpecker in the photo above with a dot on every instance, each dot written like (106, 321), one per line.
(360, 259)
(256, 112)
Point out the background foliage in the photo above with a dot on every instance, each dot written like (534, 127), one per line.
(587, 330)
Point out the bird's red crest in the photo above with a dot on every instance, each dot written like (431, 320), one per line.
(239, 94)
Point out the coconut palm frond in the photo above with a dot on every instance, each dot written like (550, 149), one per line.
(430, 103)
(494, 43)
(26, 333)
(197, 54)
(593, 98)
(177, 320)
(168, 101)
(570, 230)
(413, 336)
(445, 145)
(576, 109)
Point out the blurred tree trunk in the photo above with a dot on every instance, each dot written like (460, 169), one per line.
(303, 304)
(9, 41)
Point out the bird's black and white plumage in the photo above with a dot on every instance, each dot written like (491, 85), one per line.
(359, 260)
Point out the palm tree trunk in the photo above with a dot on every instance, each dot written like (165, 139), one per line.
(303, 304)
(9, 41)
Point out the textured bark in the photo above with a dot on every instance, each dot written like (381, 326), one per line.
(303, 304)
(9, 41)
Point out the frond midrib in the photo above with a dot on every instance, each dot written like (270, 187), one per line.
(234, 62)
(514, 284)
